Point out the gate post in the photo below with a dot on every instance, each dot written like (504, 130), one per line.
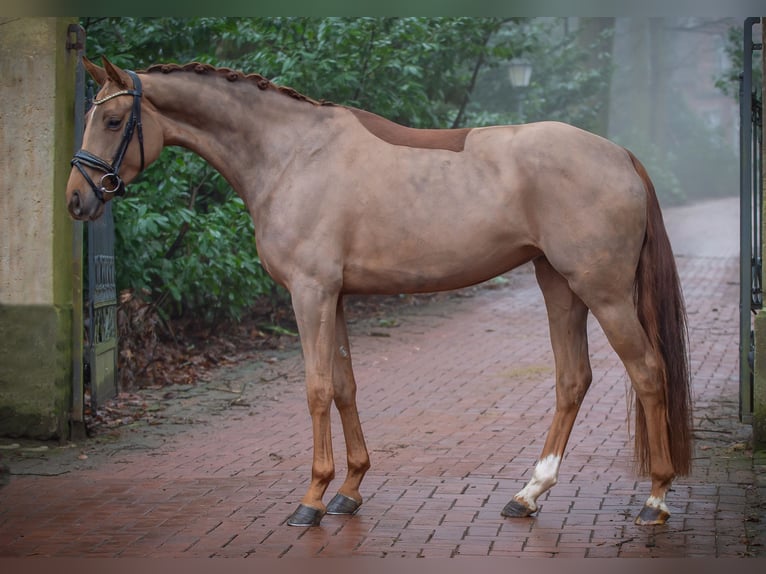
(752, 316)
(37, 72)
(759, 382)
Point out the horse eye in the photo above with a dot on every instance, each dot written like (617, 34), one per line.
(113, 123)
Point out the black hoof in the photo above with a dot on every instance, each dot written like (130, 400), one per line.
(514, 509)
(305, 516)
(342, 504)
(651, 515)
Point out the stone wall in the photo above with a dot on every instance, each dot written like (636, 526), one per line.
(36, 262)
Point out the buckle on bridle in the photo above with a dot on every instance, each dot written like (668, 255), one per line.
(118, 188)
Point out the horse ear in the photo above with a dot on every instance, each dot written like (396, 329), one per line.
(120, 77)
(97, 73)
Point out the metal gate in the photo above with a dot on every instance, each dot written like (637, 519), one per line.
(101, 298)
(100, 285)
(751, 210)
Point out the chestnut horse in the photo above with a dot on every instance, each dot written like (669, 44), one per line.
(345, 201)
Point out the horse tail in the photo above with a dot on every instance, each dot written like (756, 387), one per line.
(662, 313)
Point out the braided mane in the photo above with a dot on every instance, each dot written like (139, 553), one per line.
(393, 133)
(234, 76)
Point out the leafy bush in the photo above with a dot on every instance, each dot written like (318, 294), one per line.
(188, 242)
(729, 81)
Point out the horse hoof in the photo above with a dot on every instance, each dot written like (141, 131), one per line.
(342, 504)
(305, 516)
(652, 515)
(514, 509)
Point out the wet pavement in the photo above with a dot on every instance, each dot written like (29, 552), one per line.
(455, 397)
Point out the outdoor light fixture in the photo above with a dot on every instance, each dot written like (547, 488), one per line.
(519, 72)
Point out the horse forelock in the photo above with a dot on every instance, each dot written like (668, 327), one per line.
(234, 76)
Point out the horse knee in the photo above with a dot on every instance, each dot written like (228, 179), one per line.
(319, 399)
(343, 384)
(345, 397)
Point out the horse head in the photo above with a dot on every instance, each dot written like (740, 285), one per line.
(122, 136)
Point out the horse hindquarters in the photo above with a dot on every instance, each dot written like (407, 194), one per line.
(638, 303)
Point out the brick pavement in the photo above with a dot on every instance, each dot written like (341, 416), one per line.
(455, 402)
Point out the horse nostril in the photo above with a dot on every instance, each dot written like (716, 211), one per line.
(74, 203)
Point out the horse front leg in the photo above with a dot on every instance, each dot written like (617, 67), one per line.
(567, 319)
(348, 499)
(315, 308)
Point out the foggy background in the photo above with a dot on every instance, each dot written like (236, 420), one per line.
(661, 97)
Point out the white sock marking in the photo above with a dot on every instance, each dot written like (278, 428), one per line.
(545, 475)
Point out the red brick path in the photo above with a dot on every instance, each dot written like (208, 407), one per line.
(455, 404)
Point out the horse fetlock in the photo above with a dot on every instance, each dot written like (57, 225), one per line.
(662, 474)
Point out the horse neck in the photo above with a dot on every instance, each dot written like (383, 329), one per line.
(243, 131)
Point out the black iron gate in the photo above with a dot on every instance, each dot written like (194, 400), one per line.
(101, 297)
(99, 287)
(751, 210)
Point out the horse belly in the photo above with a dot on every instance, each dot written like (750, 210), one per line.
(415, 267)
(439, 221)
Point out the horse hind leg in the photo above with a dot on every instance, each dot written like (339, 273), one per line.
(567, 318)
(348, 499)
(619, 320)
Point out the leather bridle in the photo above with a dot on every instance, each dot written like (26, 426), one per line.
(111, 182)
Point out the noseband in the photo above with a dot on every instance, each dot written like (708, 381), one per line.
(110, 182)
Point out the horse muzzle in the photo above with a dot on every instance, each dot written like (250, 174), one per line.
(84, 206)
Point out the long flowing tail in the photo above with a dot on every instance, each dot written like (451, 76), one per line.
(662, 312)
